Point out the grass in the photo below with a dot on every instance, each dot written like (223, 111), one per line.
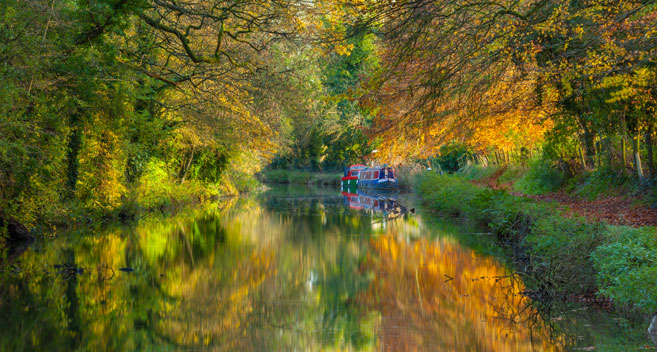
(476, 172)
(540, 178)
(562, 256)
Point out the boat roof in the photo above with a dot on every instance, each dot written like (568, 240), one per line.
(378, 167)
(357, 166)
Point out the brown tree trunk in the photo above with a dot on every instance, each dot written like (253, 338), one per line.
(589, 146)
(610, 154)
(624, 148)
(187, 166)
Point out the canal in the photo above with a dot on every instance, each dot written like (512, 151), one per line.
(292, 269)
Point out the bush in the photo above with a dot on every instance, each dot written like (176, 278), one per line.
(156, 189)
(300, 177)
(560, 251)
(453, 156)
(448, 195)
(512, 174)
(243, 181)
(627, 267)
(476, 172)
(599, 182)
(540, 178)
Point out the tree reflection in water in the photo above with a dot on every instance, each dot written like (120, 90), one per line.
(439, 296)
(270, 274)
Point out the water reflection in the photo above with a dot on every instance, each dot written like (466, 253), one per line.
(438, 296)
(284, 271)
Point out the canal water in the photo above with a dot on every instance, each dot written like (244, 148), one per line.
(293, 269)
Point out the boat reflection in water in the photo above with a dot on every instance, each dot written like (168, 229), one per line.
(377, 203)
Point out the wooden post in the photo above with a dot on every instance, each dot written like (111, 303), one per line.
(637, 156)
(650, 159)
(624, 142)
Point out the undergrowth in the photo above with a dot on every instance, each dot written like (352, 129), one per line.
(474, 172)
(540, 178)
(563, 256)
(299, 177)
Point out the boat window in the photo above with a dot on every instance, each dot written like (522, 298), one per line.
(354, 173)
(376, 174)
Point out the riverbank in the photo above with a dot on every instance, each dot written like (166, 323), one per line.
(602, 194)
(299, 177)
(563, 257)
(155, 192)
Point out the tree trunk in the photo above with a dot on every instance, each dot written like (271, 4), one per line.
(624, 144)
(637, 156)
(73, 152)
(589, 147)
(650, 160)
(582, 158)
(624, 147)
(189, 163)
(610, 154)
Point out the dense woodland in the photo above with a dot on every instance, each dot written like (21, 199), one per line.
(110, 107)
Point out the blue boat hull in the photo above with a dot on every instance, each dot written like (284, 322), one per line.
(378, 184)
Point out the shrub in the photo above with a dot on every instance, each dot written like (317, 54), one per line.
(627, 266)
(300, 177)
(476, 172)
(565, 256)
(156, 189)
(600, 181)
(449, 195)
(540, 178)
(453, 156)
(512, 173)
(244, 182)
(560, 251)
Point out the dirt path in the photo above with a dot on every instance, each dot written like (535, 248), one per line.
(614, 210)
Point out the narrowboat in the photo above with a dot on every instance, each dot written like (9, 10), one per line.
(350, 178)
(380, 177)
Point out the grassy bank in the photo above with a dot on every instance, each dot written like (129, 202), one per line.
(155, 191)
(562, 257)
(299, 177)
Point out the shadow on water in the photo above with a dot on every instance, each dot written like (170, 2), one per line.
(291, 269)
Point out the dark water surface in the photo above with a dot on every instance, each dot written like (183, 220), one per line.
(290, 270)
